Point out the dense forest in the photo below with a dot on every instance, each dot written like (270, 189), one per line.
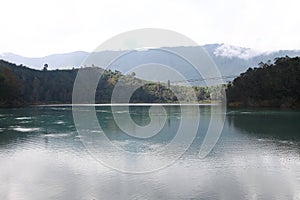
(21, 86)
(269, 85)
(274, 84)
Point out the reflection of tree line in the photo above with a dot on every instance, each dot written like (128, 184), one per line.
(140, 116)
(278, 124)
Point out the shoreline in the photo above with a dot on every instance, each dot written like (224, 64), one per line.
(128, 104)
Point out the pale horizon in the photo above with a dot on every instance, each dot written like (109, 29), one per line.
(252, 50)
(34, 28)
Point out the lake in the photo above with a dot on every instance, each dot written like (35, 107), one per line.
(42, 156)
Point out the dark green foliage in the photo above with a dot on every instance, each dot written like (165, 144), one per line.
(10, 94)
(20, 85)
(270, 85)
(43, 86)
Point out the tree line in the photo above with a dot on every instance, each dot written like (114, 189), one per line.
(274, 84)
(21, 86)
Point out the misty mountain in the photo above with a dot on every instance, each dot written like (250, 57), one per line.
(55, 61)
(230, 60)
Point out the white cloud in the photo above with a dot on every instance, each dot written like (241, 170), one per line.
(36, 28)
(226, 50)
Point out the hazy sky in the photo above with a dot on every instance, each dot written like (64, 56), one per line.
(37, 28)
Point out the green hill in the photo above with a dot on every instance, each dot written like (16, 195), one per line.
(270, 85)
(21, 86)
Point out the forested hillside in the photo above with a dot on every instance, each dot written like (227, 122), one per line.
(28, 86)
(20, 86)
(270, 85)
(10, 93)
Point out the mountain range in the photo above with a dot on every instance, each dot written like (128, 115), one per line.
(230, 60)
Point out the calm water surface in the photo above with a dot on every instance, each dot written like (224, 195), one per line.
(42, 157)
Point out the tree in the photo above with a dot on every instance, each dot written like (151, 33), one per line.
(274, 85)
(45, 67)
(10, 95)
(133, 74)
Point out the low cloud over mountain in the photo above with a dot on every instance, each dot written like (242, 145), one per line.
(230, 60)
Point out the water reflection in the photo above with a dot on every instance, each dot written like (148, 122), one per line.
(257, 157)
(279, 124)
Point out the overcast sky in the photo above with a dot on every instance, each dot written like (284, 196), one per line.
(38, 28)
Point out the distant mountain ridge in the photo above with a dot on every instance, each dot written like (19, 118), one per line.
(55, 61)
(231, 60)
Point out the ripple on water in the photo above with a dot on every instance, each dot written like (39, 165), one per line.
(59, 122)
(25, 130)
(285, 142)
(24, 122)
(103, 111)
(57, 135)
(23, 118)
(121, 111)
(61, 108)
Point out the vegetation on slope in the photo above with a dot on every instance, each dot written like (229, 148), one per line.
(270, 85)
(21, 86)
